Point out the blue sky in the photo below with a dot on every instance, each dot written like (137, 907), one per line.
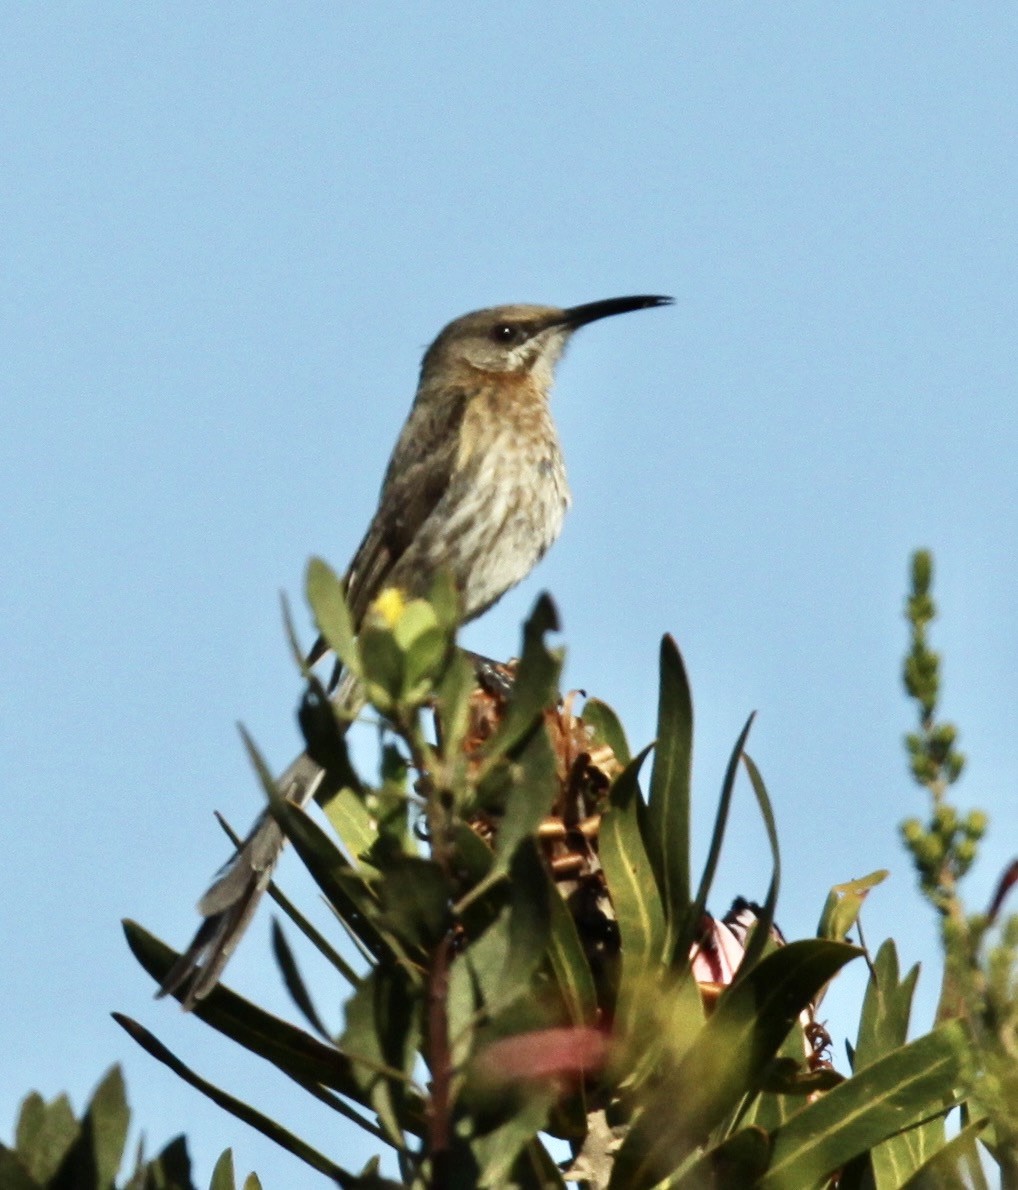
(229, 231)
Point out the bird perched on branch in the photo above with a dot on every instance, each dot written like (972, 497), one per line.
(476, 487)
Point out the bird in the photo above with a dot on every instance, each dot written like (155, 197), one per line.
(475, 488)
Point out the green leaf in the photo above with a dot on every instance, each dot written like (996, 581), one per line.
(887, 1006)
(761, 934)
(313, 935)
(535, 686)
(294, 981)
(843, 904)
(535, 1169)
(461, 1006)
(533, 789)
(506, 956)
(382, 666)
(498, 1151)
(732, 1165)
(727, 1060)
(692, 924)
(326, 596)
(668, 801)
(634, 892)
(222, 1173)
(380, 1039)
(416, 621)
(424, 644)
(889, 1095)
(44, 1135)
(454, 691)
(472, 857)
(236, 1107)
(947, 1167)
(354, 823)
(13, 1175)
(446, 601)
(423, 664)
(415, 898)
(569, 962)
(169, 1170)
(607, 727)
(343, 886)
(291, 1049)
(883, 1028)
(99, 1150)
(324, 729)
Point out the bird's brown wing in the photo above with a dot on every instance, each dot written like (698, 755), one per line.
(420, 471)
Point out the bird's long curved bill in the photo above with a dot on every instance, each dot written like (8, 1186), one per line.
(578, 316)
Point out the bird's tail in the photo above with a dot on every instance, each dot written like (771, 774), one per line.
(230, 903)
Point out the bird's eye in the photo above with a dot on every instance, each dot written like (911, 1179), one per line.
(504, 334)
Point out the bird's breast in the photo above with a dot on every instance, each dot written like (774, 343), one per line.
(511, 451)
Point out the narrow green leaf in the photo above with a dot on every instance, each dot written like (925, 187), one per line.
(453, 703)
(531, 794)
(293, 980)
(342, 884)
(668, 801)
(951, 1165)
(472, 856)
(297, 650)
(292, 1050)
(461, 1006)
(535, 686)
(607, 727)
(569, 962)
(761, 934)
(771, 1108)
(324, 728)
(313, 935)
(892, 1093)
(328, 603)
(236, 1107)
(633, 890)
(692, 923)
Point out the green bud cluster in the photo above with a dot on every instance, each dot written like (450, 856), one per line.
(980, 976)
(944, 848)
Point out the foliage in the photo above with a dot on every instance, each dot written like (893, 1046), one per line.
(537, 960)
(54, 1151)
(980, 984)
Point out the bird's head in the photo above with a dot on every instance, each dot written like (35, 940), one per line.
(516, 341)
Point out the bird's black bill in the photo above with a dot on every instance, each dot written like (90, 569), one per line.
(592, 311)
